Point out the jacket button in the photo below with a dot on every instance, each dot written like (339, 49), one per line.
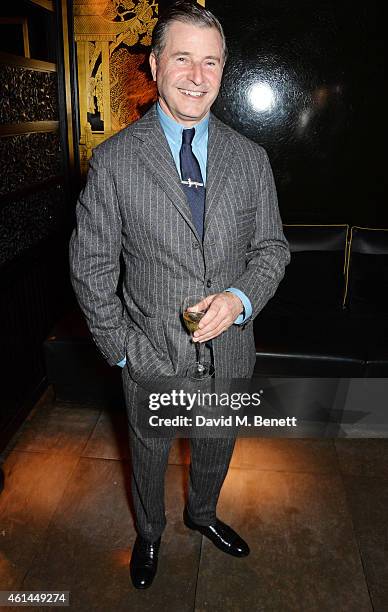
(208, 283)
(195, 245)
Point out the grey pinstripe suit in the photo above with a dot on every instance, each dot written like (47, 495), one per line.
(134, 204)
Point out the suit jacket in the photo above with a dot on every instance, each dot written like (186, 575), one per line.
(133, 205)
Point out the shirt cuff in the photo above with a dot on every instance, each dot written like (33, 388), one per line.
(243, 317)
(122, 362)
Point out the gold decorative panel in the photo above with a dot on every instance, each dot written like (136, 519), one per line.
(114, 85)
(112, 37)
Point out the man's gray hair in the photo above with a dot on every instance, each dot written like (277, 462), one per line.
(186, 12)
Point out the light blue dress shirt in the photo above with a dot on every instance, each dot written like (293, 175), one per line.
(173, 132)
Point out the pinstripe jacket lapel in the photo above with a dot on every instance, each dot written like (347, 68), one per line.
(219, 159)
(156, 155)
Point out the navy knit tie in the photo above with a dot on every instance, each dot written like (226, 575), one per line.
(192, 181)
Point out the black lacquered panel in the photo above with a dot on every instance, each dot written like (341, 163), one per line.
(305, 80)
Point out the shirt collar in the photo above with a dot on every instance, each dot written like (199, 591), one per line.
(173, 130)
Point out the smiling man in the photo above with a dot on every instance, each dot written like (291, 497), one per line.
(188, 74)
(191, 207)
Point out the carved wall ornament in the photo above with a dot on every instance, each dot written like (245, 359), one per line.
(113, 80)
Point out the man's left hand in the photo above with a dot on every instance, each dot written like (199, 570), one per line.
(223, 309)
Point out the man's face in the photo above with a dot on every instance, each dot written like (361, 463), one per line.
(188, 72)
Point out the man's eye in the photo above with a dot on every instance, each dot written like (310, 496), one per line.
(181, 59)
(210, 63)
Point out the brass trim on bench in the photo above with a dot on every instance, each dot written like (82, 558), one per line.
(372, 229)
(327, 225)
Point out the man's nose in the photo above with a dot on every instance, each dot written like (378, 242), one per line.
(196, 73)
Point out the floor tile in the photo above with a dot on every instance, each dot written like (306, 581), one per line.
(296, 455)
(87, 550)
(63, 428)
(303, 552)
(368, 502)
(34, 484)
(316, 456)
(363, 457)
(109, 439)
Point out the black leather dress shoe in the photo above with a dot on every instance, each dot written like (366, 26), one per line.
(144, 562)
(222, 536)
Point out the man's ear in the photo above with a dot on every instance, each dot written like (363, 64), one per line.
(153, 64)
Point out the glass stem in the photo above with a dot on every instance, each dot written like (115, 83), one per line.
(199, 349)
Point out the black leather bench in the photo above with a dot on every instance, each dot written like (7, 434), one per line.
(329, 317)
(366, 297)
(75, 367)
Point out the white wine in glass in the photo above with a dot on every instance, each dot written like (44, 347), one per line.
(191, 318)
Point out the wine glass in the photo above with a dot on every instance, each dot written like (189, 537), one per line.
(191, 318)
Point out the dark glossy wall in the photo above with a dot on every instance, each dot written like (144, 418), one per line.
(305, 79)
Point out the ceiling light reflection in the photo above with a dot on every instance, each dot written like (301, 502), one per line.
(261, 96)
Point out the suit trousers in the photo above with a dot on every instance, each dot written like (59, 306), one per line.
(210, 458)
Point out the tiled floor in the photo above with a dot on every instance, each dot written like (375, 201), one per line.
(313, 511)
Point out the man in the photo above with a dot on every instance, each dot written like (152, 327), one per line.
(191, 206)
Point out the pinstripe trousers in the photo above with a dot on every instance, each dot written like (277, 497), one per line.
(210, 458)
